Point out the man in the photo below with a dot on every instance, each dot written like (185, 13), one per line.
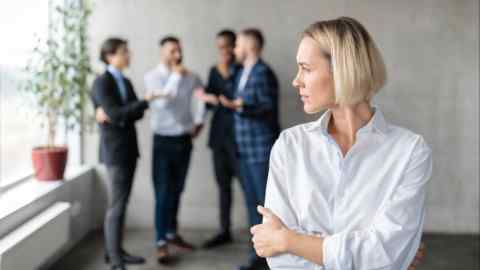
(174, 123)
(117, 109)
(221, 139)
(256, 123)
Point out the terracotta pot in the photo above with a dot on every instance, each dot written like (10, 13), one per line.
(49, 162)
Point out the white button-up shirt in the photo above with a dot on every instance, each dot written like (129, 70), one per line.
(180, 111)
(368, 205)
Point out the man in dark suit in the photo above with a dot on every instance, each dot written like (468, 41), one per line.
(117, 108)
(256, 124)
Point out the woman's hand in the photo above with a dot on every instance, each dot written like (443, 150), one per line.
(270, 237)
(235, 104)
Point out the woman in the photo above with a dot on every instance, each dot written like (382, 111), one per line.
(221, 138)
(346, 191)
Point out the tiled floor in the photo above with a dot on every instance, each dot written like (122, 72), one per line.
(444, 252)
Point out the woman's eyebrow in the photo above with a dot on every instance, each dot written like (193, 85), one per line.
(303, 64)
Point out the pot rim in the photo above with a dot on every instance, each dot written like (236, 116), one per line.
(56, 148)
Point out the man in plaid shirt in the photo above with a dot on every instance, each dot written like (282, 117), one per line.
(256, 124)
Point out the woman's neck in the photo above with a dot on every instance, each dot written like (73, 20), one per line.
(345, 121)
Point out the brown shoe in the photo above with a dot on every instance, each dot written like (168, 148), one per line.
(163, 256)
(178, 242)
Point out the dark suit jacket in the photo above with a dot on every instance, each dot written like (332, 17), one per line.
(118, 139)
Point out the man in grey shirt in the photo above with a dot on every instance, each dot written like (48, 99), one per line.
(176, 119)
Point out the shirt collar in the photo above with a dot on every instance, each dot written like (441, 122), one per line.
(377, 123)
(163, 68)
(115, 72)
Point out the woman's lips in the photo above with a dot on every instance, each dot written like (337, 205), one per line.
(304, 98)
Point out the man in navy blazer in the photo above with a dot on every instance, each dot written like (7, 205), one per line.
(256, 123)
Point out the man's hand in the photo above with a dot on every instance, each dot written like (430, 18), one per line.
(207, 98)
(180, 69)
(101, 116)
(269, 238)
(418, 257)
(235, 104)
(196, 131)
(151, 96)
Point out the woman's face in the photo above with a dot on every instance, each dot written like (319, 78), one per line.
(314, 79)
(225, 49)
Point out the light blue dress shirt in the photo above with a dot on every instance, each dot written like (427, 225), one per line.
(119, 79)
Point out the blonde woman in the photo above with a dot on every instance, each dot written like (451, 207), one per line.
(346, 191)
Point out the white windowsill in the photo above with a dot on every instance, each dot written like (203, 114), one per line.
(29, 190)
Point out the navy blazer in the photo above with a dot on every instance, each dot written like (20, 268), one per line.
(118, 138)
(257, 124)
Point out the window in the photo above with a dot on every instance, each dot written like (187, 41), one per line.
(22, 22)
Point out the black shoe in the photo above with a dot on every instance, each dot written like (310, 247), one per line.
(127, 258)
(256, 264)
(219, 240)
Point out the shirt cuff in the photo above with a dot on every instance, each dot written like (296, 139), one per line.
(330, 247)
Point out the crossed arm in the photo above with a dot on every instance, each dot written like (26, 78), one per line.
(379, 246)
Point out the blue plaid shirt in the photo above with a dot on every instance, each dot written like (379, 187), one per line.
(257, 125)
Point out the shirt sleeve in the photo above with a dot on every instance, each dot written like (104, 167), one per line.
(155, 82)
(118, 114)
(394, 235)
(172, 84)
(277, 199)
(199, 111)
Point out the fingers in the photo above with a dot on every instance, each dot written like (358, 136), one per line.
(223, 99)
(255, 229)
(259, 247)
(265, 212)
(199, 93)
(101, 116)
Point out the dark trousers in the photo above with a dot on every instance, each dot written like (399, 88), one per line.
(171, 158)
(226, 166)
(121, 179)
(254, 180)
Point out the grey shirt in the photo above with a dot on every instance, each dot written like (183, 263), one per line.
(180, 111)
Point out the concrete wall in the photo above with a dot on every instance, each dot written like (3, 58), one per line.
(430, 47)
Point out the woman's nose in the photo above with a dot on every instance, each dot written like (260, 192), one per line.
(296, 81)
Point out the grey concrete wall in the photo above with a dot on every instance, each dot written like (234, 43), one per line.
(430, 47)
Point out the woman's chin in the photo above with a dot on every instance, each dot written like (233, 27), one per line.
(308, 109)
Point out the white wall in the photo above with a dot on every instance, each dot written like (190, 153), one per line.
(430, 47)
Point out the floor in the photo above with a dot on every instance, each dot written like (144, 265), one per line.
(444, 252)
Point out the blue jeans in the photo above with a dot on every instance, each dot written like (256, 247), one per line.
(171, 158)
(254, 181)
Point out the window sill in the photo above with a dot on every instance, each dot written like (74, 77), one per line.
(29, 190)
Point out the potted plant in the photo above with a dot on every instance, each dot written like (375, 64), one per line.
(57, 83)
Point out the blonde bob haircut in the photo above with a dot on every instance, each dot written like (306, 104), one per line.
(356, 63)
